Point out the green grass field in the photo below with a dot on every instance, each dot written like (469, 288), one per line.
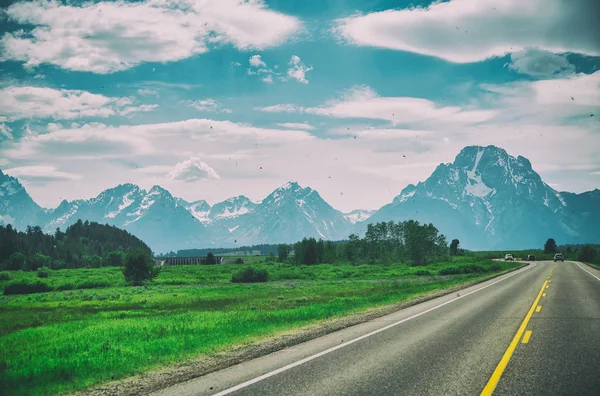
(99, 329)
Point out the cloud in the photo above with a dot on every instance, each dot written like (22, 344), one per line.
(100, 141)
(193, 169)
(207, 105)
(465, 31)
(298, 70)
(540, 63)
(268, 79)
(147, 92)
(256, 61)
(363, 102)
(41, 172)
(548, 101)
(107, 37)
(37, 102)
(296, 125)
(131, 110)
(5, 132)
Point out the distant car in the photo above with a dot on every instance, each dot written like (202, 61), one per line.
(530, 257)
(559, 257)
(509, 257)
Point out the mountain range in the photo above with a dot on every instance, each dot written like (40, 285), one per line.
(486, 198)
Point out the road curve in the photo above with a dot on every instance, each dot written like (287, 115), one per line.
(452, 345)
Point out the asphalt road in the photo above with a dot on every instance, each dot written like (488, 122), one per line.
(531, 332)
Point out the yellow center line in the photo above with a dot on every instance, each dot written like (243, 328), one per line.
(526, 337)
(538, 309)
(497, 374)
(544, 295)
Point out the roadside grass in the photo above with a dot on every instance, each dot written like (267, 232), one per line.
(67, 340)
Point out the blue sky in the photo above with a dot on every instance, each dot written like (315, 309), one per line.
(215, 98)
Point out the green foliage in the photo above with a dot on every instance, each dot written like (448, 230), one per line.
(16, 261)
(588, 254)
(454, 247)
(26, 287)
(550, 246)
(96, 335)
(239, 260)
(79, 246)
(283, 251)
(5, 276)
(114, 259)
(139, 268)
(210, 259)
(250, 275)
(43, 272)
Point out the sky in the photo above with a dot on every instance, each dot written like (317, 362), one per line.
(217, 98)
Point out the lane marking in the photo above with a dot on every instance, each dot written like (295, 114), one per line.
(497, 374)
(587, 271)
(547, 286)
(526, 337)
(335, 348)
(538, 309)
(544, 295)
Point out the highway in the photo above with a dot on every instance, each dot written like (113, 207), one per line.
(535, 331)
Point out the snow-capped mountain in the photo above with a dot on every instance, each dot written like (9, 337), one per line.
(489, 199)
(358, 215)
(289, 214)
(16, 206)
(486, 198)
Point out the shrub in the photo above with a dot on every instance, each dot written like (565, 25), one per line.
(43, 272)
(250, 275)
(26, 287)
(239, 261)
(422, 272)
(587, 253)
(4, 276)
(139, 268)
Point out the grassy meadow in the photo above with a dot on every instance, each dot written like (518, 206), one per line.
(92, 328)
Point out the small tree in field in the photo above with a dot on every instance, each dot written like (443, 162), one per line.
(210, 258)
(454, 247)
(550, 246)
(139, 268)
(587, 253)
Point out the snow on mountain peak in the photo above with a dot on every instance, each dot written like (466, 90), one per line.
(358, 215)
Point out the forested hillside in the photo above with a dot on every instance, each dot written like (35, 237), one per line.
(83, 244)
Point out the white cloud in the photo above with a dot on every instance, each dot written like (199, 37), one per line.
(5, 132)
(540, 63)
(298, 70)
(131, 110)
(147, 92)
(296, 125)
(464, 31)
(363, 102)
(46, 172)
(207, 105)
(268, 79)
(37, 102)
(256, 61)
(108, 36)
(236, 64)
(193, 169)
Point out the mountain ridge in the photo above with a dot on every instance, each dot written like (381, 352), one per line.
(485, 197)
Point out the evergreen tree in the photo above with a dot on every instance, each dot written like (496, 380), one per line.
(550, 246)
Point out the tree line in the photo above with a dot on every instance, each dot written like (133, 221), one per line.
(83, 244)
(385, 242)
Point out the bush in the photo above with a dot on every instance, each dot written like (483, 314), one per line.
(4, 276)
(422, 272)
(239, 261)
(43, 272)
(587, 253)
(466, 269)
(26, 287)
(139, 268)
(250, 275)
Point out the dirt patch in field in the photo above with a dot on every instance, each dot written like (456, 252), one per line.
(163, 378)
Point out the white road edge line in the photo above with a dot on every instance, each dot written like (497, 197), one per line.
(587, 271)
(335, 348)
